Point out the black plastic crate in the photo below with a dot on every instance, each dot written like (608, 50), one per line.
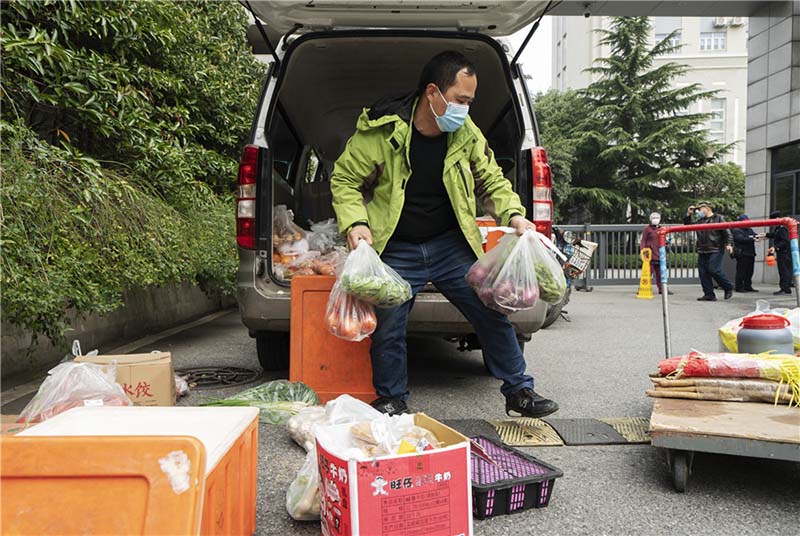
(516, 481)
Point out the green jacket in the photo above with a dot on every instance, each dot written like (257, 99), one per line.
(369, 178)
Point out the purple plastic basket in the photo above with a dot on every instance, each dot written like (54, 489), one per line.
(515, 482)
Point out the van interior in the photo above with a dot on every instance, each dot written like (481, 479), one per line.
(327, 81)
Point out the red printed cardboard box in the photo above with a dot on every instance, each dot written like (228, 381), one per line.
(147, 379)
(426, 494)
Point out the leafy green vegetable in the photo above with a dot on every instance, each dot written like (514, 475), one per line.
(551, 290)
(383, 292)
(276, 400)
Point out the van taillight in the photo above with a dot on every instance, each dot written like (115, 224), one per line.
(246, 198)
(542, 191)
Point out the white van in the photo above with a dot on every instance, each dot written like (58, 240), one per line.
(332, 59)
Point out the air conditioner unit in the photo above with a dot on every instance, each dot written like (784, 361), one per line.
(737, 21)
(720, 22)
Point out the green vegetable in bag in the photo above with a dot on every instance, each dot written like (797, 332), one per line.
(549, 289)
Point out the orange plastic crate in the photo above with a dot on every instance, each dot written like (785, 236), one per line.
(114, 483)
(329, 365)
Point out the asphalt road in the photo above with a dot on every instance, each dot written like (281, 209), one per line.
(594, 366)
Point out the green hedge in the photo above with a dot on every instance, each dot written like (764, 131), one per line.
(122, 123)
(77, 235)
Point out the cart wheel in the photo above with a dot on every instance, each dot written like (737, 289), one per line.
(680, 469)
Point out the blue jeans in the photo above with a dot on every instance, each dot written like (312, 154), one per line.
(710, 267)
(444, 261)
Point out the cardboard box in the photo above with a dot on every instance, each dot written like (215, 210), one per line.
(411, 494)
(147, 379)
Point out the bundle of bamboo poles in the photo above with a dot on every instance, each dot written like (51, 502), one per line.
(726, 389)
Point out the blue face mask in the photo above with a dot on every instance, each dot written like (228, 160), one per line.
(699, 214)
(453, 117)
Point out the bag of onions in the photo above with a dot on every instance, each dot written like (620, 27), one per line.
(505, 278)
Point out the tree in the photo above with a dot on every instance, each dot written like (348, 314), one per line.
(636, 149)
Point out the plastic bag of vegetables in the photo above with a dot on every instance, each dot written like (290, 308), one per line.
(348, 317)
(276, 400)
(549, 273)
(366, 277)
(505, 278)
(302, 497)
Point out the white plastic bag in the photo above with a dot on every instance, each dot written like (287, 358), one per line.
(348, 317)
(505, 278)
(324, 236)
(300, 426)
(71, 385)
(549, 273)
(366, 277)
(302, 497)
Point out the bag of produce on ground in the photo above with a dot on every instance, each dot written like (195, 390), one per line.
(366, 277)
(505, 278)
(277, 400)
(71, 385)
(302, 497)
(549, 273)
(348, 317)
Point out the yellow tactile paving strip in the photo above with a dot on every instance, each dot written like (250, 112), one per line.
(633, 429)
(527, 432)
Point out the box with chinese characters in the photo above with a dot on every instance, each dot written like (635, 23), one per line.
(426, 493)
(147, 379)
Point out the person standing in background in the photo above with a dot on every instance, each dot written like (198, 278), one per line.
(744, 251)
(779, 245)
(711, 246)
(650, 240)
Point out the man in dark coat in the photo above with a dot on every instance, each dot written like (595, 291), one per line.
(711, 246)
(780, 246)
(744, 251)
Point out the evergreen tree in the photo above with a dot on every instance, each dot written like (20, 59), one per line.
(638, 150)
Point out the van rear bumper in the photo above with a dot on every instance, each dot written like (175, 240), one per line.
(267, 308)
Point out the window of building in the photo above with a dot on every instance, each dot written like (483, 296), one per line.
(785, 192)
(716, 123)
(664, 26)
(713, 41)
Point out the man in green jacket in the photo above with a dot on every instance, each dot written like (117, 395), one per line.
(407, 183)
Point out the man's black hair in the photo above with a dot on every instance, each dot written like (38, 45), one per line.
(442, 70)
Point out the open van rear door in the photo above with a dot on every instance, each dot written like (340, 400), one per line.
(491, 17)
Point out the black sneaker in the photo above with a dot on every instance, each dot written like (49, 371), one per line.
(728, 294)
(781, 292)
(751, 290)
(529, 404)
(707, 298)
(390, 406)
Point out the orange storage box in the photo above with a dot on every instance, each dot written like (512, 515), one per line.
(132, 470)
(329, 365)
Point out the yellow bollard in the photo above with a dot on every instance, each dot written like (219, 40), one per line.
(645, 285)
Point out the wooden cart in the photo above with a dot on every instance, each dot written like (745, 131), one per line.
(754, 429)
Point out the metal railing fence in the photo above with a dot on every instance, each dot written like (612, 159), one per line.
(617, 260)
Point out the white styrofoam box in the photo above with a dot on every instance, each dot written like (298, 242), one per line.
(217, 428)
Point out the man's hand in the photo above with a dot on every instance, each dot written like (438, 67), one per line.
(521, 225)
(729, 248)
(359, 232)
(771, 251)
(690, 210)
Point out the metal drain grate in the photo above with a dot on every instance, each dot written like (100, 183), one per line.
(526, 432)
(633, 429)
(216, 377)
